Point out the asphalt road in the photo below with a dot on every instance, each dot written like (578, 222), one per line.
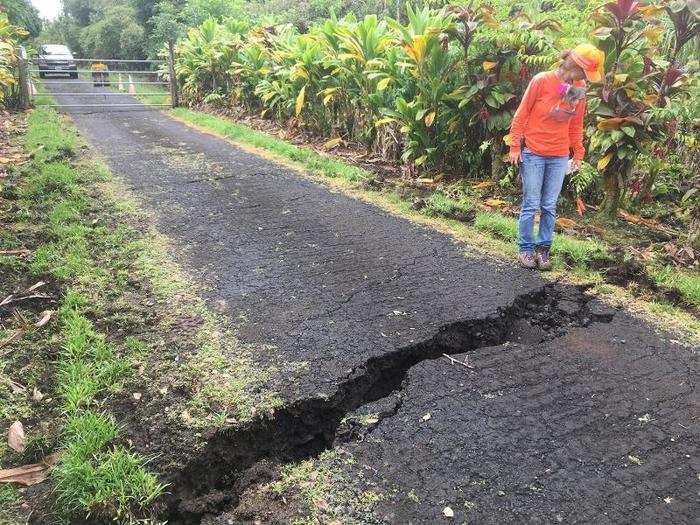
(567, 414)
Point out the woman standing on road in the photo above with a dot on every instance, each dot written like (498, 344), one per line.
(550, 120)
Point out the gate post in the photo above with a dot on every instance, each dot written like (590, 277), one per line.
(174, 102)
(24, 96)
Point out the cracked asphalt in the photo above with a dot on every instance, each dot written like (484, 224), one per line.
(596, 425)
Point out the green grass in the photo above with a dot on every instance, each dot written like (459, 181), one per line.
(685, 283)
(309, 159)
(8, 501)
(505, 228)
(566, 250)
(95, 474)
(440, 204)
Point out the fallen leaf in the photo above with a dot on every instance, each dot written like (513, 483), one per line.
(16, 387)
(16, 438)
(35, 286)
(448, 512)
(28, 475)
(495, 203)
(580, 206)
(566, 224)
(45, 318)
(634, 459)
(21, 253)
(332, 143)
(37, 395)
(321, 504)
(483, 185)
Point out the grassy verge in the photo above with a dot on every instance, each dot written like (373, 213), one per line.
(491, 232)
(129, 345)
(144, 92)
(306, 158)
(95, 472)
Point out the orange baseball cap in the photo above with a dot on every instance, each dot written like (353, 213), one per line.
(590, 59)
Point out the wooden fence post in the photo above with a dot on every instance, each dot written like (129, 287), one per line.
(24, 94)
(174, 101)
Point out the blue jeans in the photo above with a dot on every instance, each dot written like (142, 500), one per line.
(542, 180)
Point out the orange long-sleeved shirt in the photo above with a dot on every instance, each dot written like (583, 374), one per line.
(550, 126)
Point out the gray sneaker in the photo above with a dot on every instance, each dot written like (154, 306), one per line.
(527, 259)
(542, 259)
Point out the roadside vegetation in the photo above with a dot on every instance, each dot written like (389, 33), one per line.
(406, 106)
(78, 374)
(419, 99)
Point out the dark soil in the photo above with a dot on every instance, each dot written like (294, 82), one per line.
(352, 306)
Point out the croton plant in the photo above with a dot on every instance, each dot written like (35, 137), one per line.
(640, 82)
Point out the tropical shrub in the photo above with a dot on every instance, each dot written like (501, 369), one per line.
(635, 105)
(9, 41)
(437, 87)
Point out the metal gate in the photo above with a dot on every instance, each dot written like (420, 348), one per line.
(106, 84)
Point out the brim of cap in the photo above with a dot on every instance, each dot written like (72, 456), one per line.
(593, 76)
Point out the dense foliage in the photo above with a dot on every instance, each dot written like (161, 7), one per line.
(23, 14)
(432, 86)
(438, 89)
(10, 36)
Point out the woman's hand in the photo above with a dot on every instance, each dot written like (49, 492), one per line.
(575, 165)
(515, 157)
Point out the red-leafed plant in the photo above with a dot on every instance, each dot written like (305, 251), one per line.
(640, 82)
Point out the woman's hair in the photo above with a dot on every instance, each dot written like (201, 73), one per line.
(566, 61)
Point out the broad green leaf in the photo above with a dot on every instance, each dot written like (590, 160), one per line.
(385, 120)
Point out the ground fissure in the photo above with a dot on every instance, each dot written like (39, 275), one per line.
(217, 476)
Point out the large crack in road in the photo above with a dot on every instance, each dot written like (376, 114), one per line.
(308, 427)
